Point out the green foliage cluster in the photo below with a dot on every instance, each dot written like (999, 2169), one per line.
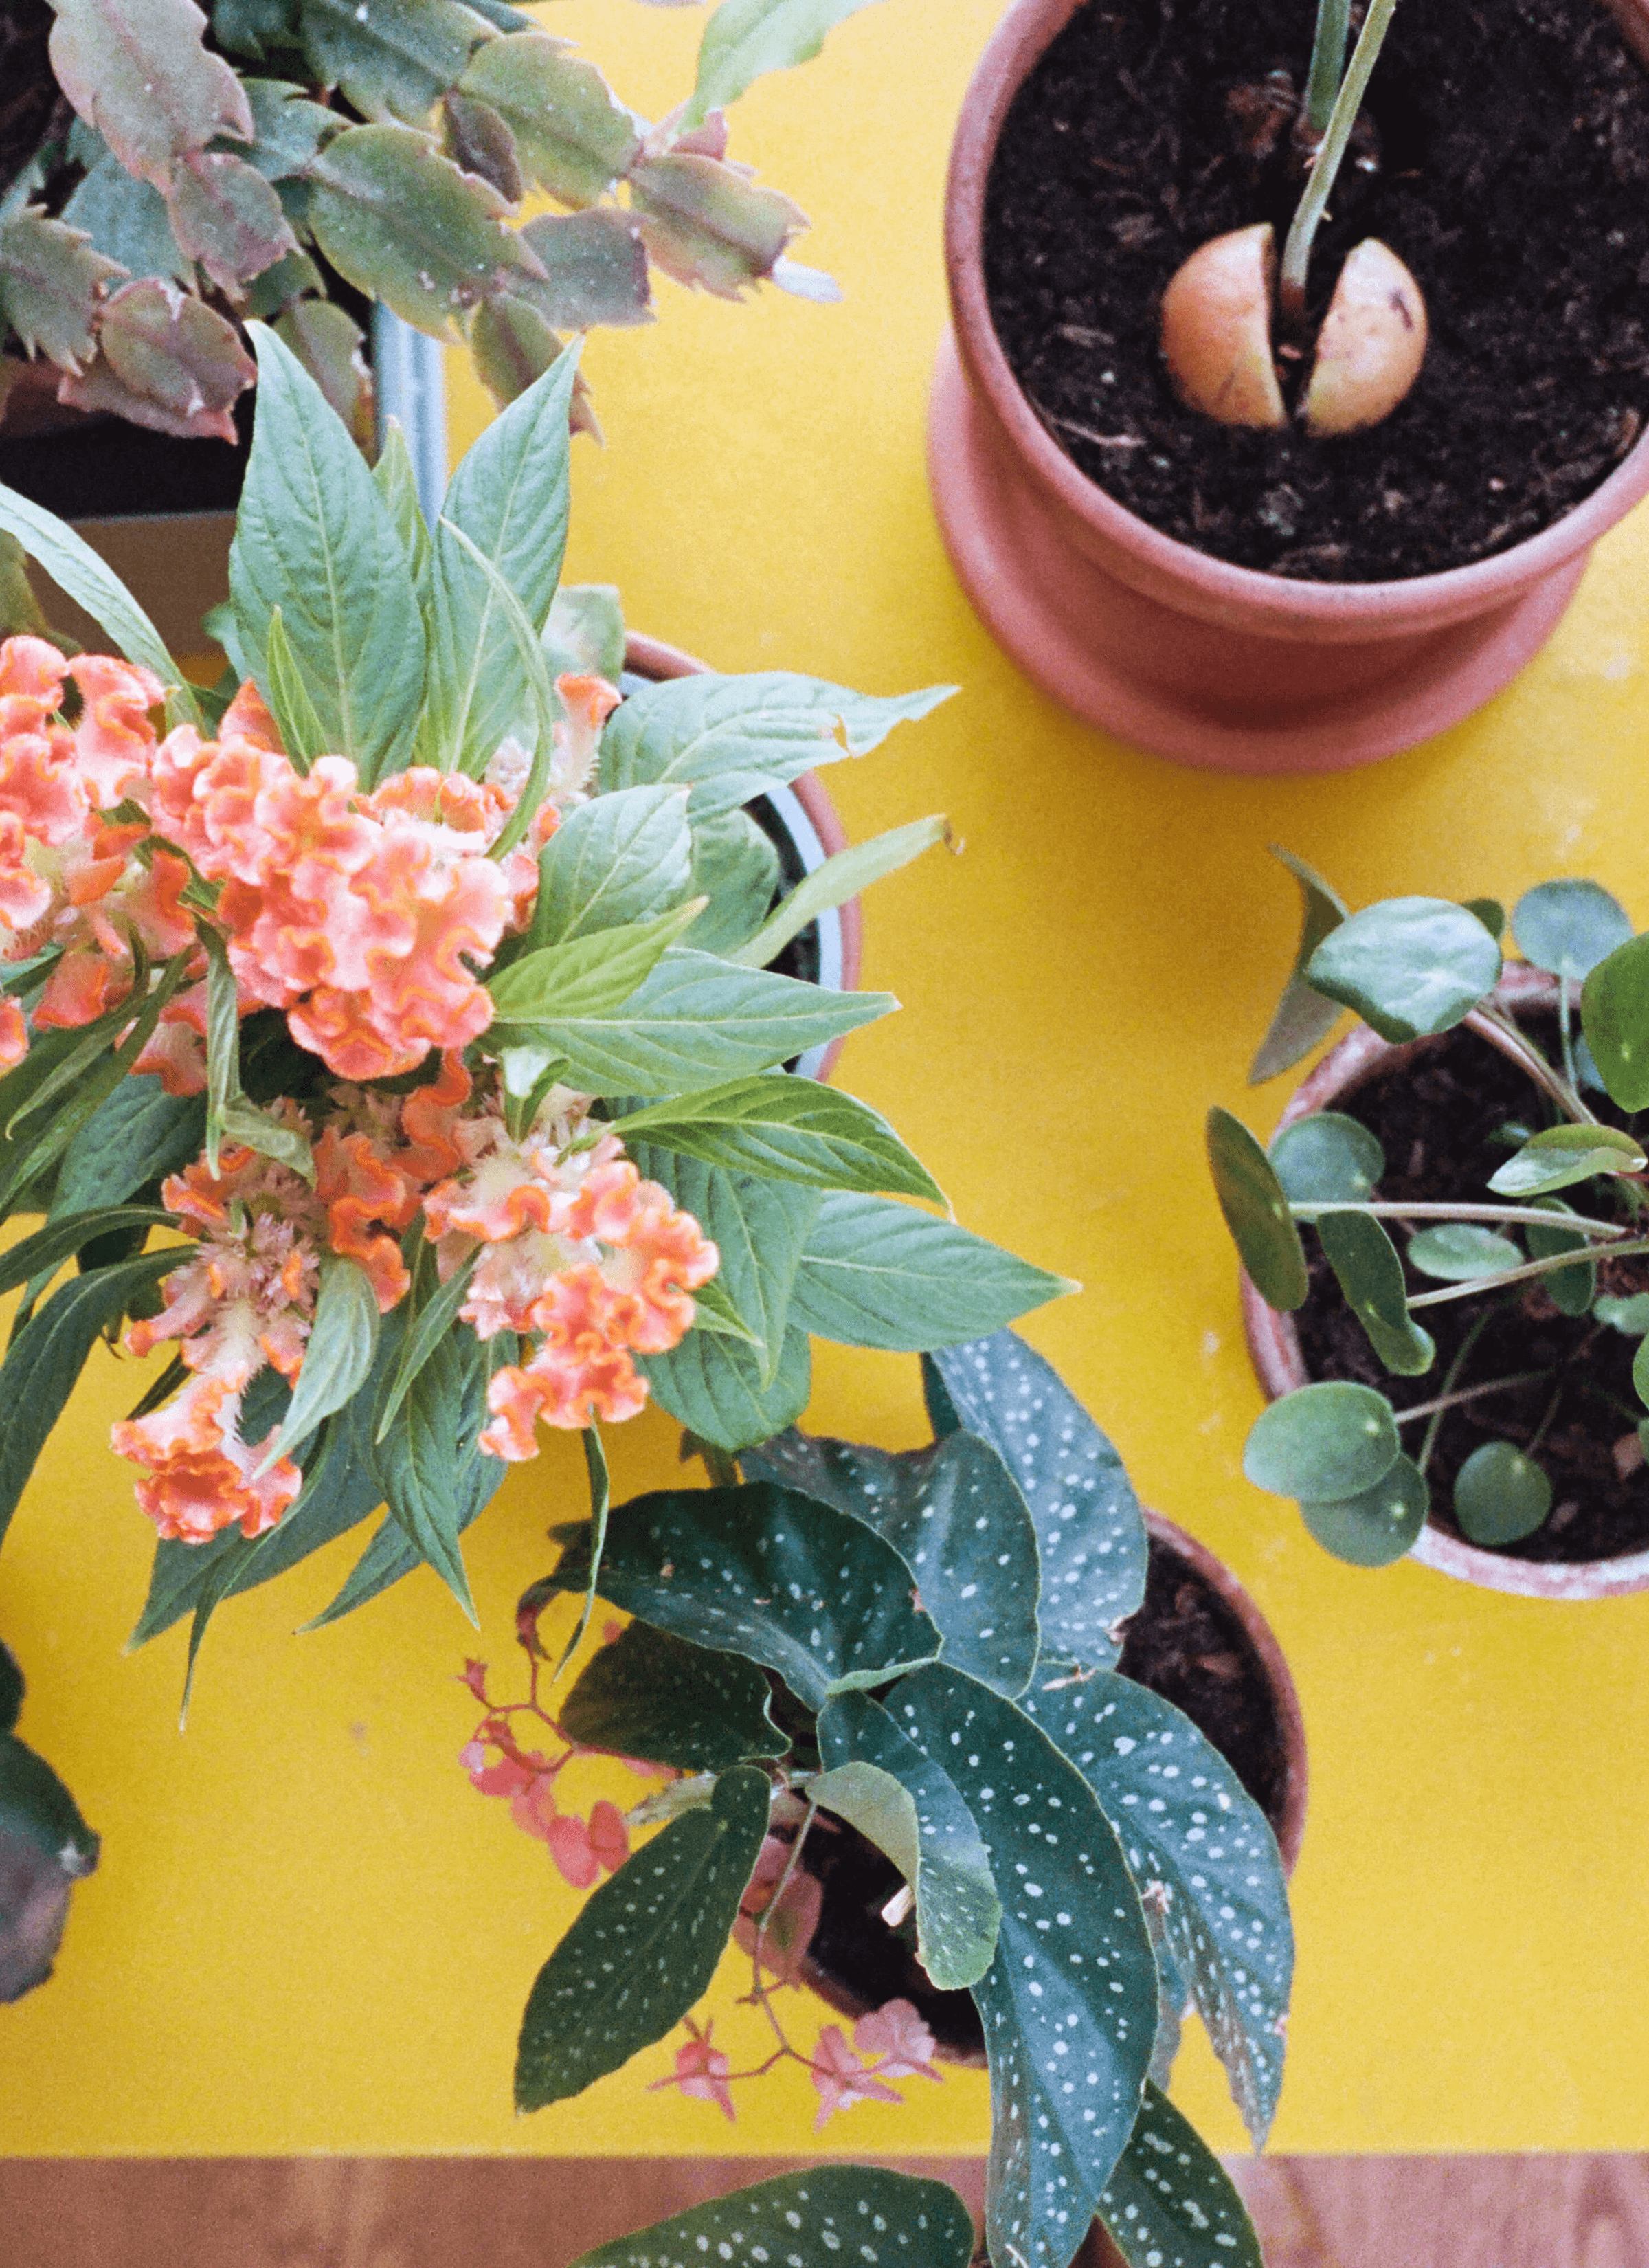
(193, 171)
(45, 1848)
(943, 1625)
(1569, 1198)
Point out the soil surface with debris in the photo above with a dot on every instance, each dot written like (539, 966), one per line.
(1444, 1126)
(1503, 155)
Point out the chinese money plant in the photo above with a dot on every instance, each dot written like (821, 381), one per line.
(1562, 1222)
(389, 1038)
(166, 174)
(922, 1647)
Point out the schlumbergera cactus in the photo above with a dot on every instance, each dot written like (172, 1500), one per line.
(164, 175)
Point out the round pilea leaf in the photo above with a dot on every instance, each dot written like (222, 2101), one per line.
(1327, 1159)
(1257, 1213)
(1567, 927)
(818, 2219)
(1615, 1017)
(1500, 1495)
(1458, 1252)
(1365, 1260)
(1380, 1526)
(1630, 1315)
(1559, 1156)
(1408, 966)
(1322, 1443)
(1570, 1290)
(1491, 913)
(1641, 1370)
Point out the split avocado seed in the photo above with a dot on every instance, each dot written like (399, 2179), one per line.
(1216, 328)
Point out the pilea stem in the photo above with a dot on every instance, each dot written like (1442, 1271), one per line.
(1529, 1216)
(1444, 1399)
(1325, 169)
(1327, 68)
(1550, 1412)
(1545, 1076)
(1518, 1275)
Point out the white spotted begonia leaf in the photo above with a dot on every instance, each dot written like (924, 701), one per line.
(833, 2217)
(1070, 2002)
(956, 1518)
(1170, 2203)
(766, 1573)
(958, 1910)
(1205, 1859)
(1088, 1526)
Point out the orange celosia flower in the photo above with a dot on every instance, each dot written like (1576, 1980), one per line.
(14, 1033)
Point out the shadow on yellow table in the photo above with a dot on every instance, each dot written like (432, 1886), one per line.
(308, 1932)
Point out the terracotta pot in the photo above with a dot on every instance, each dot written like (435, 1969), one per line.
(842, 933)
(1274, 1342)
(837, 1990)
(1214, 665)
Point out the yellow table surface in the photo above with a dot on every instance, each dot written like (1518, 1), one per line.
(308, 1932)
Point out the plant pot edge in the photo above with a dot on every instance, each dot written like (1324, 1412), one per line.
(1274, 1348)
(1047, 557)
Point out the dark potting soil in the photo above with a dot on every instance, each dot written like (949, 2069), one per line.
(1442, 1124)
(1509, 145)
(1184, 1643)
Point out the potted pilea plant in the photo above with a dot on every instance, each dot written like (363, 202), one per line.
(914, 1660)
(1477, 1398)
(372, 976)
(1291, 591)
(46, 1848)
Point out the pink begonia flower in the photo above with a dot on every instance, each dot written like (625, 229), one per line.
(842, 2078)
(474, 1677)
(609, 1836)
(781, 1931)
(701, 2070)
(570, 1847)
(896, 2035)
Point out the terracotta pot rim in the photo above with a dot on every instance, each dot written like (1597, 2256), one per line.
(650, 657)
(1274, 1348)
(1215, 589)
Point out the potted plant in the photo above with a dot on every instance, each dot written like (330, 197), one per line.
(165, 176)
(1273, 600)
(915, 1659)
(1478, 1399)
(46, 1848)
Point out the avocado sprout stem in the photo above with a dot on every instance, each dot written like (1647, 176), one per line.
(1326, 165)
(1328, 68)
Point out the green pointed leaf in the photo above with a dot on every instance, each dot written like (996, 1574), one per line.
(1559, 1156)
(600, 1501)
(663, 1700)
(290, 704)
(728, 1394)
(645, 1947)
(760, 1228)
(1408, 966)
(1567, 927)
(585, 631)
(1185, 1821)
(877, 1273)
(397, 483)
(338, 1358)
(1614, 1014)
(1070, 2002)
(425, 1331)
(45, 1252)
(613, 861)
(584, 976)
(786, 1128)
(726, 739)
(1170, 2203)
(955, 1517)
(766, 1573)
(76, 570)
(736, 866)
(1570, 1290)
(696, 1022)
(425, 1461)
(392, 61)
(713, 1311)
(48, 1355)
(746, 38)
(1303, 1017)
(571, 134)
(1326, 1159)
(314, 539)
(1090, 1534)
(925, 1829)
(1257, 1213)
(814, 2220)
(839, 878)
(1322, 1442)
(1365, 1260)
(1500, 1495)
(509, 497)
(1379, 1527)
(1458, 1252)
